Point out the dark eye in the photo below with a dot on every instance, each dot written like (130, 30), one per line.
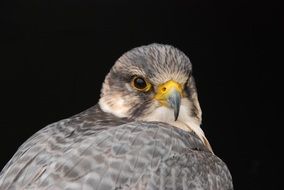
(140, 84)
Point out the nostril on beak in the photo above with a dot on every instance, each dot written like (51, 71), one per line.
(164, 89)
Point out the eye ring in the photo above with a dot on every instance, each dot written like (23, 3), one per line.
(139, 83)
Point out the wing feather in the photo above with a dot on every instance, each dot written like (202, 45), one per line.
(136, 155)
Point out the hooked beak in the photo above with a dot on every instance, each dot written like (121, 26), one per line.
(169, 94)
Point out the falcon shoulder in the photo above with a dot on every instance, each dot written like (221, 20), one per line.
(85, 154)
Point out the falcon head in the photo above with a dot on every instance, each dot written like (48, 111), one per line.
(153, 83)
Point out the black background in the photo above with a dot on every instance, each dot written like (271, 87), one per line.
(55, 54)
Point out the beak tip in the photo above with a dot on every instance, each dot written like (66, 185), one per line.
(176, 115)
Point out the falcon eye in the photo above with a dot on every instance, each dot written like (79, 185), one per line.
(140, 84)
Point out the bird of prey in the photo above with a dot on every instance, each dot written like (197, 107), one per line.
(143, 134)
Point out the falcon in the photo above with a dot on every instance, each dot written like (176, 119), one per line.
(143, 134)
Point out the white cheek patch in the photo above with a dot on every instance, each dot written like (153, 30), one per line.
(118, 108)
(116, 104)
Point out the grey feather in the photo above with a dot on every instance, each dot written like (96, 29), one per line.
(86, 152)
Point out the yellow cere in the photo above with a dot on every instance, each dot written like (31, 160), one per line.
(164, 89)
